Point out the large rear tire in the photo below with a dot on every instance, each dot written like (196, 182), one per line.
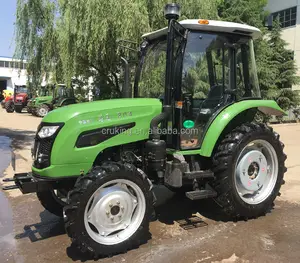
(109, 210)
(9, 106)
(53, 201)
(249, 169)
(42, 110)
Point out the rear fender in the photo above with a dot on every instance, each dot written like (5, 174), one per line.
(226, 116)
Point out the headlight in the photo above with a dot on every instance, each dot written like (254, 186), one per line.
(47, 131)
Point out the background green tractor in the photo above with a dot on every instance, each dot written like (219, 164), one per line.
(44, 96)
(61, 96)
(190, 126)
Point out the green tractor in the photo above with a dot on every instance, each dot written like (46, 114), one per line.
(96, 164)
(44, 96)
(60, 96)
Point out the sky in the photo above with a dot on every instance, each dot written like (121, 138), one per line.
(7, 20)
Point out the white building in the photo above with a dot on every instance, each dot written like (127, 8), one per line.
(288, 12)
(12, 72)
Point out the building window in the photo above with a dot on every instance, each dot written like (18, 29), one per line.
(286, 17)
(2, 64)
(6, 65)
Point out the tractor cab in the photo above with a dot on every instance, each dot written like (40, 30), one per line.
(62, 96)
(198, 70)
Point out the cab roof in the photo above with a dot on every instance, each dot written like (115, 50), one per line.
(213, 26)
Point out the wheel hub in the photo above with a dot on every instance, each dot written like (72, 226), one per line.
(111, 210)
(252, 170)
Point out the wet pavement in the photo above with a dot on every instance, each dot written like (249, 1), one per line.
(30, 234)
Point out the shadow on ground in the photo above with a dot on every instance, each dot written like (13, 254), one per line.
(50, 226)
(20, 138)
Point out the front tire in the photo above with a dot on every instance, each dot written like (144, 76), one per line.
(18, 109)
(249, 169)
(42, 110)
(109, 210)
(53, 201)
(9, 106)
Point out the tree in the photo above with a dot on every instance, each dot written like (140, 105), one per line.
(286, 70)
(276, 70)
(79, 38)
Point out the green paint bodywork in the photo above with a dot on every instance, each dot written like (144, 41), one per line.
(68, 160)
(42, 100)
(224, 117)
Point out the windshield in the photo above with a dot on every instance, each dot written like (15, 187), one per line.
(214, 63)
(44, 91)
(152, 79)
(21, 89)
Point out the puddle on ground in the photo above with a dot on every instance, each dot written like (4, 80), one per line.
(5, 154)
(7, 241)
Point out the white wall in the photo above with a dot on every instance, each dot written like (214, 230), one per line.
(290, 34)
(13, 77)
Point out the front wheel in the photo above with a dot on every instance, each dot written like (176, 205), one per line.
(109, 210)
(249, 169)
(42, 110)
(53, 200)
(9, 106)
(18, 109)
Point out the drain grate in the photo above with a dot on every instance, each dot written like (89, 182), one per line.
(191, 223)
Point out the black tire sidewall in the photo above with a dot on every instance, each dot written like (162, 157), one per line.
(80, 225)
(241, 205)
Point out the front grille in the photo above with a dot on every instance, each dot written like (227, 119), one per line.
(42, 152)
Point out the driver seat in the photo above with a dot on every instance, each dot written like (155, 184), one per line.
(213, 101)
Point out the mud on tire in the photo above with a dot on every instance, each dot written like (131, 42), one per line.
(224, 162)
(78, 199)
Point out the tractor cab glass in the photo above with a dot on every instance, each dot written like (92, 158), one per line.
(218, 69)
(152, 79)
(21, 89)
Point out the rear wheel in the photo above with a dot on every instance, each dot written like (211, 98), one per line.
(109, 210)
(53, 200)
(9, 106)
(42, 110)
(18, 109)
(249, 169)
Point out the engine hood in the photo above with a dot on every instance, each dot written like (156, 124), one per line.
(43, 98)
(110, 109)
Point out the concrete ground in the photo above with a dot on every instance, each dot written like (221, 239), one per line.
(28, 233)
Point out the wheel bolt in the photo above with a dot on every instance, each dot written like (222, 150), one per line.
(107, 212)
(122, 208)
(120, 216)
(112, 218)
(118, 202)
(103, 234)
(110, 205)
(134, 201)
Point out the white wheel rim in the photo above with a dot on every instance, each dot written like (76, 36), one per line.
(42, 111)
(256, 172)
(114, 212)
